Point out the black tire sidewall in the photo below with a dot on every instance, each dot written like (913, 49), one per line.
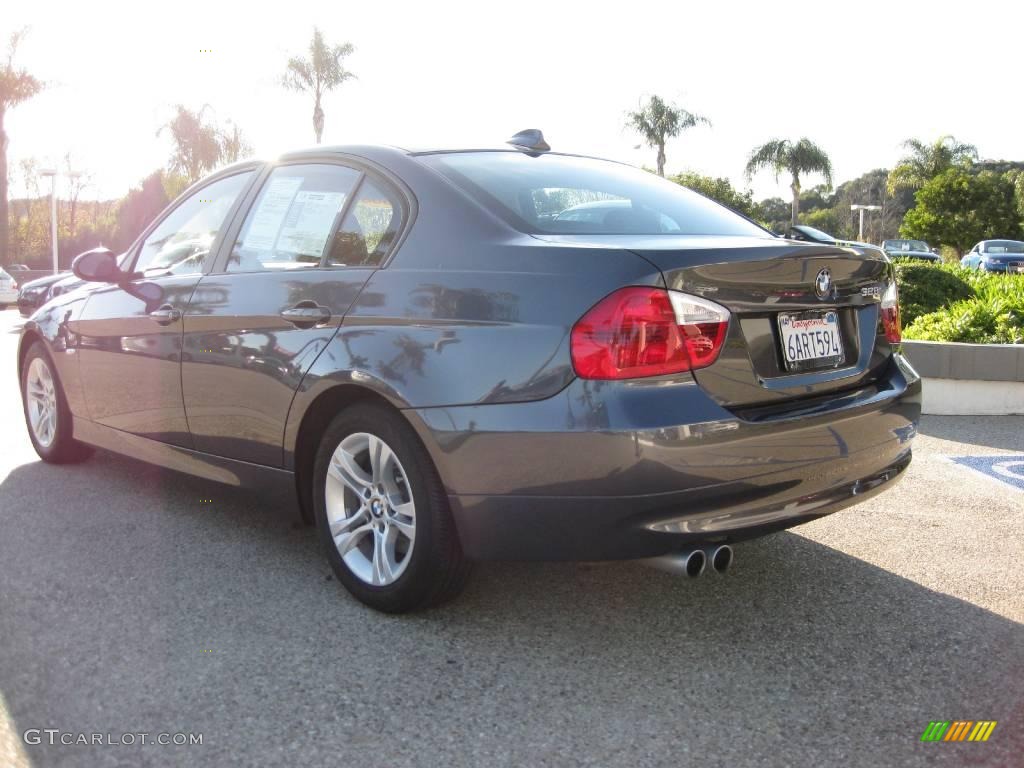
(412, 589)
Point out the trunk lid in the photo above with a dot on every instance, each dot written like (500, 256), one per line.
(759, 279)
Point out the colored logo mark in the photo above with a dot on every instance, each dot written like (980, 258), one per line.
(959, 730)
(1008, 469)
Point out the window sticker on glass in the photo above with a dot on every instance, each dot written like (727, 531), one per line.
(271, 212)
(309, 222)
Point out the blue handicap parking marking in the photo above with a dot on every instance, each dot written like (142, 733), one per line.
(1009, 469)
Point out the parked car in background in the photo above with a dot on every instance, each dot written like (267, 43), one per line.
(995, 256)
(909, 249)
(811, 235)
(18, 268)
(35, 293)
(444, 370)
(8, 289)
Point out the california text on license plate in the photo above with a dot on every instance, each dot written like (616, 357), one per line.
(810, 340)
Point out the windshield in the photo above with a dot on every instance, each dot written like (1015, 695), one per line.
(1003, 246)
(905, 245)
(814, 234)
(559, 194)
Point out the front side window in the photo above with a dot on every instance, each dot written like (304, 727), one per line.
(559, 194)
(293, 221)
(182, 241)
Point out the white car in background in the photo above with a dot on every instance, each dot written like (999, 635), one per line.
(8, 289)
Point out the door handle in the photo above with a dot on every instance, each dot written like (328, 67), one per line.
(306, 314)
(166, 314)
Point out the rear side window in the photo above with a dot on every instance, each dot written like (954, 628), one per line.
(559, 194)
(370, 227)
(293, 222)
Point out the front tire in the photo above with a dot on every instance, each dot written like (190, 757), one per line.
(47, 415)
(382, 513)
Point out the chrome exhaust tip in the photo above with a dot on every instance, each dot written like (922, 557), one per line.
(720, 558)
(689, 563)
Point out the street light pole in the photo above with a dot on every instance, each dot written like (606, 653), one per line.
(53, 212)
(862, 208)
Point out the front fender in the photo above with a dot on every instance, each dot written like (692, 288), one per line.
(53, 325)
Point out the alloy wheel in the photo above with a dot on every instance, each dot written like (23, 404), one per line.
(41, 402)
(370, 509)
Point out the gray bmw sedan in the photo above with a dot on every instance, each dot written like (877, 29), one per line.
(500, 353)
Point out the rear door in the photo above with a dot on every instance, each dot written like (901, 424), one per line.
(313, 234)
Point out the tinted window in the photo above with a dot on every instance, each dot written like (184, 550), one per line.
(182, 241)
(1003, 246)
(370, 227)
(814, 234)
(293, 221)
(558, 194)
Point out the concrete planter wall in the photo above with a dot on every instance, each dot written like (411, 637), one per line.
(969, 379)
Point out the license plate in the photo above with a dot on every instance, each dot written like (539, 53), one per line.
(810, 340)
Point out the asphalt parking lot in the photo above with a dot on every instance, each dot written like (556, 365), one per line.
(136, 600)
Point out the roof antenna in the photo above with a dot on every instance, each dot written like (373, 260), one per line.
(531, 139)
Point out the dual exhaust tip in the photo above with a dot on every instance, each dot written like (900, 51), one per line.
(692, 562)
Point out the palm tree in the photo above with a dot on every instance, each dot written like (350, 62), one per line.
(657, 122)
(320, 73)
(16, 86)
(795, 158)
(926, 161)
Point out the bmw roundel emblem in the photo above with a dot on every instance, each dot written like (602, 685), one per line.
(823, 283)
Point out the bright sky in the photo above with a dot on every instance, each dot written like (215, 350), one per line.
(857, 78)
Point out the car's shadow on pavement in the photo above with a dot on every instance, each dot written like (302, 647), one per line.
(130, 602)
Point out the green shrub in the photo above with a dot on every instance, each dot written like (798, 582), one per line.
(926, 287)
(991, 320)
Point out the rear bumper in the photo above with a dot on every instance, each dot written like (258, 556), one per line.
(611, 470)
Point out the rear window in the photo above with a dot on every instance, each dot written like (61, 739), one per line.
(1004, 246)
(558, 194)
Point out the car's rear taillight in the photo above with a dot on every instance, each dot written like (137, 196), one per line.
(637, 332)
(890, 308)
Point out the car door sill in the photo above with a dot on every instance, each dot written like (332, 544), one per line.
(205, 465)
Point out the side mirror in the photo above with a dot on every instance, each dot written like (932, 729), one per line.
(98, 266)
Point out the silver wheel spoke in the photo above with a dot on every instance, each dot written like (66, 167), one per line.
(346, 524)
(344, 468)
(383, 558)
(380, 457)
(405, 509)
(406, 529)
(349, 539)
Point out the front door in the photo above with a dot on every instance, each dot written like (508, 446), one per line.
(313, 235)
(129, 338)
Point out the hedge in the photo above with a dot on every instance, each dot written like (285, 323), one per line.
(947, 302)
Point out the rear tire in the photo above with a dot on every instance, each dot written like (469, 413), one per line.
(382, 514)
(47, 415)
